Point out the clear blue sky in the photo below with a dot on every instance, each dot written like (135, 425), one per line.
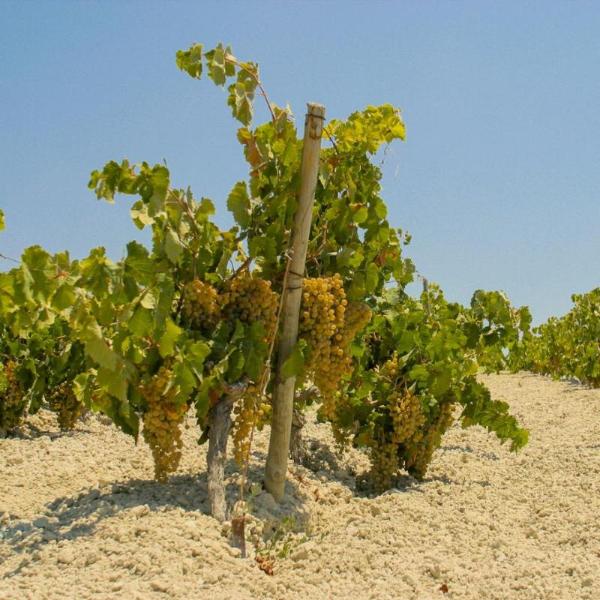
(498, 180)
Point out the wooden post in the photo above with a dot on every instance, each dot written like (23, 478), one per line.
(283, 392)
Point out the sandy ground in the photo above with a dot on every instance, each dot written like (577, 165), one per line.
(81, 518)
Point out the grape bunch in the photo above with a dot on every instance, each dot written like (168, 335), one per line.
(12, 400)
(407, 415)
(411, 442)
(63, 401)
(162, 422)
(404, 405)
(417, 452)
(392, 448)
(200, 307)
(250, 300)
(384, 464)
(403, 427)
(246, 413)
(328, 324)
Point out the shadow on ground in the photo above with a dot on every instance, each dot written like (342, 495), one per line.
(76, 516)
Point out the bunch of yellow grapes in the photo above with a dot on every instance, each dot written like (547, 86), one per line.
(389, 453)
(404, 405)
(384, 464)
(162, 422)
(394, 445)
(407, 415)
(251, 411)
(418, 450)
(328, 324)
(200, 306)
(12, 401)
(65, 404)
(251, 299)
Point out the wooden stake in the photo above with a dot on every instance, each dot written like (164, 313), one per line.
(283, 392)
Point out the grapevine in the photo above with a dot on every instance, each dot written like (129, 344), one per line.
(196, 314)
(568, 346)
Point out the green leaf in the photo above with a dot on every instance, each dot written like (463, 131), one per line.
(294, 364)
(238, 203)
(173, 247)
(195, 355)
(2, 224)
(83, 387)
(190, 60)
(202, 399)
(215, 60)
(113, 382)
(148, 300)
(139, 215)
(372, 278)
(169, 338)
(100, 351)
(141, 322)
(113, 178)
(441, 383)
(237, 360)
(64, 297)
(185, 380)
(360, 215)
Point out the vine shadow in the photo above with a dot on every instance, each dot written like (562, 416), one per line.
(326, 463)
(76, 516)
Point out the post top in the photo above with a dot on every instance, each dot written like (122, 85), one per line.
(315, 109)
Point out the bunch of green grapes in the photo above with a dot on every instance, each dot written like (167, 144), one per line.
(403, 426)
(328, 324)
(417, 452)
(357, 317)
(201, 306)
(63, 401)
(407, 415)
(403, 404)
(321, 325)
(384, 464)
(12, 398)
(250, 300)
(388, 452)
(162, 422)
(250, 412)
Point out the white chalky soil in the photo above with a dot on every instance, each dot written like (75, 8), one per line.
(81, 518)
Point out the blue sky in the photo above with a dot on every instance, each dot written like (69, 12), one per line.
(498, 180)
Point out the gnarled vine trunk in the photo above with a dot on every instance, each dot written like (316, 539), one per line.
(219, 419)
(298, 450)
(297, 444)
(219, 423)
